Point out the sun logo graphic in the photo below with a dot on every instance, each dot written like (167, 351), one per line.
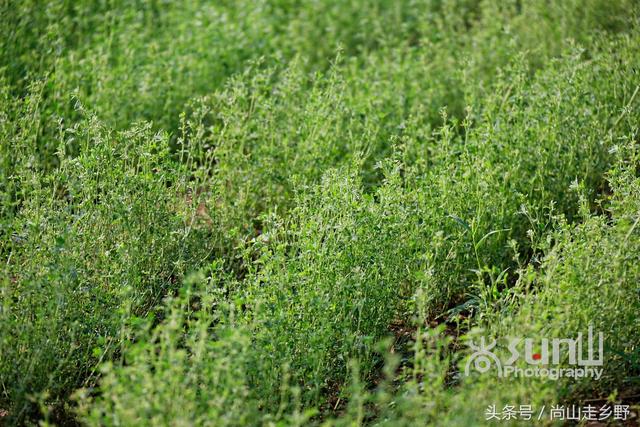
(482, 357)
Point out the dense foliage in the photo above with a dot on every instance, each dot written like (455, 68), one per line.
(285, 212)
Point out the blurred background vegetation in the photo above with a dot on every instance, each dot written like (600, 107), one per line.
(297, 212)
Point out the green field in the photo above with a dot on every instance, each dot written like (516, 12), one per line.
(306, 212)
